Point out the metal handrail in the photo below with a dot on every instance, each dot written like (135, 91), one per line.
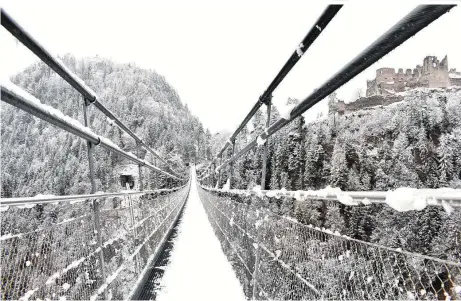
(69, 198)
(411, 24)
(434, 197)
(322, 22)
(58, 66)
(17, 97)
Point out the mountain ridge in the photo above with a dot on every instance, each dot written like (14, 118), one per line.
(53, 161)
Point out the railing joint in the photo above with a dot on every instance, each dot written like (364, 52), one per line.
(265, 99)
(90, 101)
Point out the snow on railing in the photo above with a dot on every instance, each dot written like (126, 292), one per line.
(57, 258)
(43, 199)
(279, 257)
(401, 199)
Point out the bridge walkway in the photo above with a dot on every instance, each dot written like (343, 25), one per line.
(198, 269)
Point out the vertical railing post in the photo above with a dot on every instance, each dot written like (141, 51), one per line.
(97, 219)
(263, 187)
(141, 186)
(266, 145)
(219, 172)
(231, 172)
(255, 272)
(133, 224)
(210, 173)
(259, 237)
(155, 174)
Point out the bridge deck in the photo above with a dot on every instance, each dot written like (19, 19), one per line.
(198, 269)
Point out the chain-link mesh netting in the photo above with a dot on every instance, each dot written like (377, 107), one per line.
(53, 251)
(275, 256)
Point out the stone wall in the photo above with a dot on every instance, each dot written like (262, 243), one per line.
(432, 74)
(455, 77)
(455, 81)
(383, 90)
(367, 102)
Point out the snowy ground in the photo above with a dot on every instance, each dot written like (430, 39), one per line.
(198, 268)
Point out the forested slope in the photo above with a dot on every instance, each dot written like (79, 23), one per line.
(40, 158)
(412, 143)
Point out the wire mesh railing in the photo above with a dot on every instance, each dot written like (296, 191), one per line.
(51, 251)
(280, 251)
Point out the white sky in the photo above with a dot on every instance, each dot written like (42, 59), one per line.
(221, 55)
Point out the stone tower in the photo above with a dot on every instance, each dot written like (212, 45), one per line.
(432, 74)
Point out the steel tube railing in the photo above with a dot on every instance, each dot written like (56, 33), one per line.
(266, 147)
(69, 198)
(27, 40)
(434, 197)
(17, 97)
(39, 50)
(308, 40)
(411, 24)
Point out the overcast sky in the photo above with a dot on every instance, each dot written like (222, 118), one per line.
(221, 55)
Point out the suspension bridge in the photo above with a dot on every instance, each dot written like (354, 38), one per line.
(107, 245)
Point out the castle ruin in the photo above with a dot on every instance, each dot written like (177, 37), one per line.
(384, 89)
(433, 74)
